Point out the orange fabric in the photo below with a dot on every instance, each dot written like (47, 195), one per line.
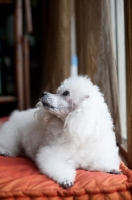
(21, 180)
(3, 119)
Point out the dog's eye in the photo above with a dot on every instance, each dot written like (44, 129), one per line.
(66, 93)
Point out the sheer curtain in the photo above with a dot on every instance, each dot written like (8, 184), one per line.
(95, 51)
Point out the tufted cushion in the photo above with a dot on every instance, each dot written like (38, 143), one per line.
(21, 180)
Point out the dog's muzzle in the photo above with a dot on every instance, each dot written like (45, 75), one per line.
(46, 100)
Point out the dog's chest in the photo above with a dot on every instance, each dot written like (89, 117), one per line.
(40, 136)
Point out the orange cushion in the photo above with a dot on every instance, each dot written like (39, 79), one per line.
(21, 180)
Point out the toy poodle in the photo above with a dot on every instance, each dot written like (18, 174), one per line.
(69, 130)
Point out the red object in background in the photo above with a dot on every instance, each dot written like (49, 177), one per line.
(3, 119)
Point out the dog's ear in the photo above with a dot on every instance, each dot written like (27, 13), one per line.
(85, 121)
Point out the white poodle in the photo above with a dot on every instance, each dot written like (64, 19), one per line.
(68, 130)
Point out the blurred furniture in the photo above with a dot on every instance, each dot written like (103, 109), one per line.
(20, 97)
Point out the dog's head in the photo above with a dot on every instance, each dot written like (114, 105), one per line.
(78, 103)
(68, 97)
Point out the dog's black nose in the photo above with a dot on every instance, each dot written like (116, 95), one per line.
(43, 94)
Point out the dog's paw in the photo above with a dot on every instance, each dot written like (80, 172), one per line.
(4, 153)
(114, 171)
(65, 184)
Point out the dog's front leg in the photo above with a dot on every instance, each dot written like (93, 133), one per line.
(54, 162)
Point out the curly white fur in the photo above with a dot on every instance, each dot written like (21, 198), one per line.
(68, 130)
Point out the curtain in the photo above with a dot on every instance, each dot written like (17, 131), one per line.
(94, 48)
(55, 43)
(95, 51)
